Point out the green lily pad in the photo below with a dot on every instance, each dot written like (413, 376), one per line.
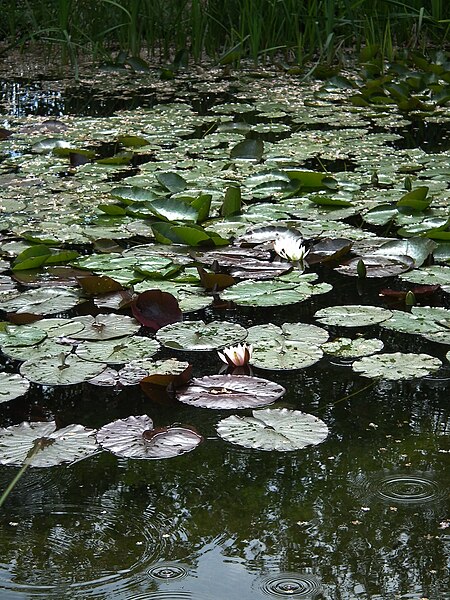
(289, 347)
(434, 275)
(347, 348)
(17, 336)
(60, 370)
(274, 429)
(105, 327)
(53, 446)
(45, 349)
(249, 149)
(352, 315)
(272, 293)
(397, 365)
(410, 323)
(135, 437)
(417, 248)
(118, 350)
(230, 392)
(199, 336)
(41, 301)
(12, 386)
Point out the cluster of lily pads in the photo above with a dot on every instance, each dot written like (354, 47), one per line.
(216, 210)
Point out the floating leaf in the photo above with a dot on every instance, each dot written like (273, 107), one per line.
(274, 429)
(377, 265)
(62, 370)
(172, 182)
(52, 446)
(118, 351)
(410, 323)
(155, 309)
(41, 301)
(249, 149)
(12, 386)
(329, 250)
(98, 284)
(347, 348)
(289, 347)
(105, 327)
(397, 365)
(352, 315)
(434, 275)
(417, 248)
(230, 392)
(197, 335)
(135, 437)
(272, 293)
(17, 336)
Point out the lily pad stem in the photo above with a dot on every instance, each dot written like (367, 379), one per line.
(366, 387)
(39, 444)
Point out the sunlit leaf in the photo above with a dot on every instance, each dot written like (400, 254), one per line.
(12, 385)
(135, 437)
(230, 392)
(198, 335)
(397, 365)
(274, 429)
(51, 446)
(60, 370)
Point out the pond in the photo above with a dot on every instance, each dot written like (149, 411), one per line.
(130, 183)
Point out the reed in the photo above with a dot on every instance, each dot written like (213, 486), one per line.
(300, 30)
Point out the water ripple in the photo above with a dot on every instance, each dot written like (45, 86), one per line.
(95, 551)
(402, 488)
(165, 571)
(292, 585)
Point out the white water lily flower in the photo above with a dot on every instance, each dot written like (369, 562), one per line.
(236, 356)
(290, 249)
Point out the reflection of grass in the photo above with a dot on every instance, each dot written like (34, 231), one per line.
(301, 30)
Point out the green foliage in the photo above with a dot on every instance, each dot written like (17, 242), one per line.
(227, 31)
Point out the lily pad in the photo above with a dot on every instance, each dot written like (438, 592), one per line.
(135, 437)
(347, 348)
(52, 446)
(397, 365)
(377, 265)
(289, 347)
(155, 309)
(197, 335)
(41, 301)
(272, 293)
(118, 350)
(274, 429)
(12, 386)
(230, 392)
(410, 323)
(434, 275)
(105, 327)
(62, 370)
(352, 315)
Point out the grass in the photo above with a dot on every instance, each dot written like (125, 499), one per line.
(296, 30)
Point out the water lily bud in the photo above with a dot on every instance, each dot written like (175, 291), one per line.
(361, 269)
(408, 183)
(410, 298)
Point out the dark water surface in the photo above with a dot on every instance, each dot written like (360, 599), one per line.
(364, 515)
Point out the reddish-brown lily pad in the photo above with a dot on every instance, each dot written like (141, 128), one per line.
(155, 309)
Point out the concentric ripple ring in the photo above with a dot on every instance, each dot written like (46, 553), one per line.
(292, 585)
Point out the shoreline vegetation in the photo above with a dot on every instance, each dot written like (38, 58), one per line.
(290, 32)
